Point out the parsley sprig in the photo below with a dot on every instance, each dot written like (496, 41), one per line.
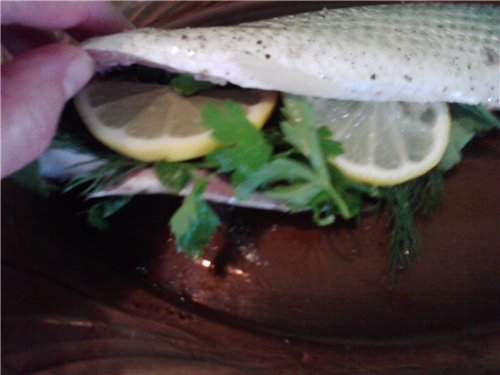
(302, 178)
(186, 84)
(468, 121)
(195, 222)
(310, 183)
(245, 148)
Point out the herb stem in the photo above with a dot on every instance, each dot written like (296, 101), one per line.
(337, 199)
(318, 160)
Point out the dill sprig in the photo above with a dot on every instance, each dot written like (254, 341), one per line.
(112, 172)
(404, 238)
(403, 202)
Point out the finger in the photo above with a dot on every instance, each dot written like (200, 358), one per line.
(85, 19)
(35, 87)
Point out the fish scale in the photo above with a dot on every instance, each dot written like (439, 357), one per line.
(398, 52)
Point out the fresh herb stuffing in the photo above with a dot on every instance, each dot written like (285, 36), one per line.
(103, 209)
(305, 179)
(289, 164)
(194, 223)
(173, 175)
(304, 182)
(467, 121)
(301, 176)
(186, 84)
(402, 202)
(245, 148)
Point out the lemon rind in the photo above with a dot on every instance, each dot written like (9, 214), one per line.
(170, 148)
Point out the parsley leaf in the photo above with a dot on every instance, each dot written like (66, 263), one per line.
(104, 208)
(467, 121)
(299, 178)
(173, 175)
(245, 148)
(186, 84)
(301, 131)
(194, 223)
(312, 184)
(474, 117)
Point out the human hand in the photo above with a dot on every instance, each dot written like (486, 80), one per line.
(43, 75)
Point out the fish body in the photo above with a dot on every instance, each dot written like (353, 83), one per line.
(398, 52)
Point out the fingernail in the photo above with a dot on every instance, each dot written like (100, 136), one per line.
(77, 74)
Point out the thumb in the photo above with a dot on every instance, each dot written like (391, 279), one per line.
(35, 87)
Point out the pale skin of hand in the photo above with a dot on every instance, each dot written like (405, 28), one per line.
(44, 75)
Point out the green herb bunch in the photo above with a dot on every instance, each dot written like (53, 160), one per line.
(289, 164)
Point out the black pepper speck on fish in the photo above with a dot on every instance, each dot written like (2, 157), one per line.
(399, 52)
(421, 52)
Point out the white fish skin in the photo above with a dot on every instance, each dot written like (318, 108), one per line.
(399, 52)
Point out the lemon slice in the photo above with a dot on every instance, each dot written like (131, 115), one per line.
(150, 122)
(385, 143)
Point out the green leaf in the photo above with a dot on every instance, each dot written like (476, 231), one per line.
(103, 209)
(173, 175)
(467, 121)
(311, 183)
(186, 84)
(300, 137)
(297, 136)
(194, 223)
(297, 196)
(302, 131)
(459, 137)
(331, 147)
(474, 117)
(244, 147)
(284, 170)
(275, 137)
(30, 178)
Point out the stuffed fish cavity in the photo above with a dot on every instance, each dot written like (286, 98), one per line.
(411, 52)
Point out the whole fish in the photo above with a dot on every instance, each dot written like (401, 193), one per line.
(398, 52)
(422, 52)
